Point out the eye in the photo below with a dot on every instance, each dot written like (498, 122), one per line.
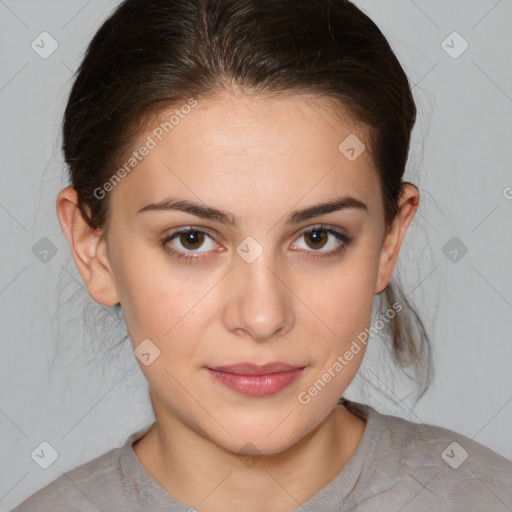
(190, 239)
(322, 236)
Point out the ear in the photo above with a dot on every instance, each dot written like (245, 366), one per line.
(89, 251)
(408, 205)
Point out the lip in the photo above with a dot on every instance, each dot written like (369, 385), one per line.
(256, 380)
(256, 369)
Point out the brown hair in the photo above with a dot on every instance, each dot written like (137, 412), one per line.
(150, 54)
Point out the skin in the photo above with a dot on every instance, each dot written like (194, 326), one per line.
(259, 159)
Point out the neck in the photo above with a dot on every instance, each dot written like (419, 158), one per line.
(204, 475)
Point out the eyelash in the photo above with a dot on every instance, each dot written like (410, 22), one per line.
(314, 254)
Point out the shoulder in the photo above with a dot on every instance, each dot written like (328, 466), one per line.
(95, 485)
(422, 444)
(452, 468)
(436, 466)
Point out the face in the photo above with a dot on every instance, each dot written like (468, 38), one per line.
(256, 282)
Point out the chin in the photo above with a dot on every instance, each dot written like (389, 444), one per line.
(253, 441)
(245, 446)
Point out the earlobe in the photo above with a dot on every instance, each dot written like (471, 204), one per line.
(394, 236)
(88, 250)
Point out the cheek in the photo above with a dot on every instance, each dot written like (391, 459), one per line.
(151, 302)
(343, 307)
(163, 304)
(343, 299)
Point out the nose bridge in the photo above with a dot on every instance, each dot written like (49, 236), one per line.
(260, 306)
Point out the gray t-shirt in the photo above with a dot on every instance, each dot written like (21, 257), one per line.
(398, 466)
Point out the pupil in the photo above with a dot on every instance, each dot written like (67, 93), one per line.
(318, 238)
(191, 238)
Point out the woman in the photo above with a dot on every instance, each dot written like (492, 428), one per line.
(236, 189)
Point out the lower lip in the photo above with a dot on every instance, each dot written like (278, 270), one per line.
(256, 385)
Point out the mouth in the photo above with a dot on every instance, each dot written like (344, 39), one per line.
(256, 380)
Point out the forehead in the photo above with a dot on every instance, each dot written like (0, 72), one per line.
(277, 150)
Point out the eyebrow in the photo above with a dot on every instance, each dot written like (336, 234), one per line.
(224, 217)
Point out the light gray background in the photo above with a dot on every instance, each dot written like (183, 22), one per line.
(460, 160)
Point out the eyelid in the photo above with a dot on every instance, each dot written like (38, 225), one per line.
(337, 232)
(323, 226)
(189, 227)
(214, 234)
(175, 233)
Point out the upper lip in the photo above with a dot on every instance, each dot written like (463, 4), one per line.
(254, 369)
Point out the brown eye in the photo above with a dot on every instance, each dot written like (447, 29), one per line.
(191, 240)
(321, 237)
(318, 238)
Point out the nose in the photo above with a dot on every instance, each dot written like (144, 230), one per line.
(260, 304)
